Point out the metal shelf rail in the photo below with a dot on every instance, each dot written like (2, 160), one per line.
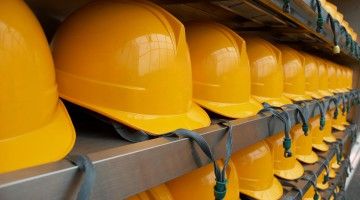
(345, 138)
(125, 169)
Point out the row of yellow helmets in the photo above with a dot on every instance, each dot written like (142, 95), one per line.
(131, 61)
(332, 10)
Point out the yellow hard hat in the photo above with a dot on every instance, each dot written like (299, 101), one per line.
(303, 145)
(113, 70)
(334, 163)
(309, 195)
(35, 126)
(344, 79)
(332, 78)
(332, 173)
(328, 136)
(266, 72)
(160, 192)
(294, 74)
(317, 135)
(284, 167)
(339, 79)
(254, 166)
(199, 184)
(221, 70)
(322, 183)
(337, 123)
(323, 78)
(349, 75)
(311, 77)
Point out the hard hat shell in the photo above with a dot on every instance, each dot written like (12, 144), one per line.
(266, 72)
(332, 79)
(221, 70)
(339, 79)
(303, 145)
(35, 126)
(160, 192)
(311, 77)
(334, 164)
(343, 119)
(323, 78)
(328, 136)
(309, 195)
(337, 123)
(320, 184)
(349, 75)
(139, 76)
(317, 135)
(202, 181)
(344, 79)
(294, 74)
(254, 166)
(284, 167)
(332, 173)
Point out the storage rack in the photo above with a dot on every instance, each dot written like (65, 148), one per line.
(119, 175)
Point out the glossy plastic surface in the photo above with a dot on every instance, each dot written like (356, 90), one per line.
(35, 126)
(309, 195)
(323, 78)
(139, 76)
(286, 168)
(317, 135)
(267, 75)
(160, 192)
(311, 77)
(199, 184)
(320, 181)
(303, 145)
(254, 166)
(221, 70)
(327, 132)
(294, 74)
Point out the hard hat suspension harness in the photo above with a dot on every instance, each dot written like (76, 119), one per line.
(322, 114)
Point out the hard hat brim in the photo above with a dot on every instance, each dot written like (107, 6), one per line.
(315, 95)
(297, 97)
(339, 127)
(281, 101)
(322, 186)
(321, 146)
(275, 191)
(326, 93)
(346, 123)
(232, 110)
(49, 143)
(291, 174)
(332, 173)
(329, 138)
(308, 159)
(195, 118)
(335, 165)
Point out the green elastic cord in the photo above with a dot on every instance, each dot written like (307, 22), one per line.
(303, 113)
(348, 103)
(336, 48)
(338, 153)
(316, 196)
(322, 113)
(286, 120)
(335, 101)
(220, 189)
(286, 6)
(320, 20)
(326, 177)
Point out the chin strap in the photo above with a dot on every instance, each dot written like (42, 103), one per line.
(335, 101)
(286, 120)
(303, 113)
(313, 182)
(85, 165)
(336, 48)
(320, 20)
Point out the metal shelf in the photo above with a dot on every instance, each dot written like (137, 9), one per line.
(342, 137)
(123, 168)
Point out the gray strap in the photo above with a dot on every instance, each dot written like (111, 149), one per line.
(88, 170)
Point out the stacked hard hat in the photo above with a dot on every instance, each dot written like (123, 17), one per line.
(303, 145)
(35, 126)
(221, 70)
(254, 166)
(323, 78)
(294, 74)
(160, 192)
(331, 70)
(322, 180)
(284, 167)
(317, 135)
(113, 70)
(266, 72)
(310, 194)
(349, 75)
(311, 77)
(202, 181)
